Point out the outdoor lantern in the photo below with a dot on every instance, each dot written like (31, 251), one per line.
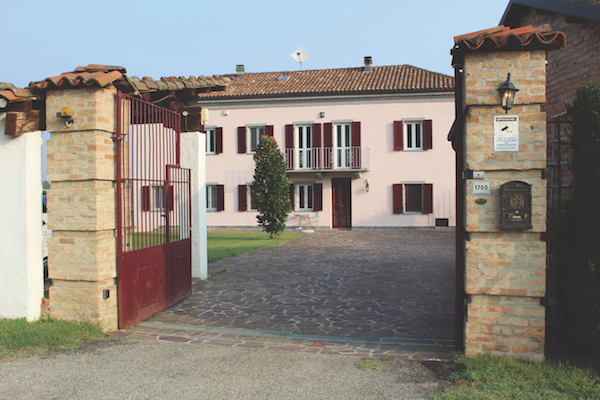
(508, 92)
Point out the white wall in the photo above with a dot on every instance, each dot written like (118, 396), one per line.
(193, 156)
(21, 264)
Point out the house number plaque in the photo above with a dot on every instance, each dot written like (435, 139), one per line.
(516, 205)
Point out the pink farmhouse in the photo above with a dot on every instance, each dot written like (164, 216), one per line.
(365, 147)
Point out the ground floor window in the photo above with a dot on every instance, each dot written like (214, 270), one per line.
(153, 198)
(412, 198)
(304, 197)
(215, 200)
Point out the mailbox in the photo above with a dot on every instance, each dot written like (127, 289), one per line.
(516, 205)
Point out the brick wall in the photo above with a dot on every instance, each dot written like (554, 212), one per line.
(81, 205)
(505, 272)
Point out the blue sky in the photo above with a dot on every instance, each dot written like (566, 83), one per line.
(39, 39)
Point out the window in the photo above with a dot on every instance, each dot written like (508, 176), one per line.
(215, 200)
(413, 135)
(306, 196)
(243, 192)
(252, 135)
(256, 132)
(412, 198)
(153, 198)
(343, 144)
(214, 140)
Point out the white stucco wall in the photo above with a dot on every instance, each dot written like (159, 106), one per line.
(21, 264)
(193, 156)
(387, 166)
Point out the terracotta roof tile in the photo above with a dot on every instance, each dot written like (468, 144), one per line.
(104, 75)
(92, 75)
(395, 78)
(506, 38)
(14, 94)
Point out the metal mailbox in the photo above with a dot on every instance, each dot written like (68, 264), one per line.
(516, 205)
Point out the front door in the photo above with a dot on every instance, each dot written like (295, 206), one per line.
(342, 204)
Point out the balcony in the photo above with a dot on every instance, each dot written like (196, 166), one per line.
(355, 158)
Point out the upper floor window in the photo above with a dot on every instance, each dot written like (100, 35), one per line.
(413, 135)
(251, 135)
(214, 140)
(305, 138)
(256, 132)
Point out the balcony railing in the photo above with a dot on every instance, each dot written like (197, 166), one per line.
(355, 158)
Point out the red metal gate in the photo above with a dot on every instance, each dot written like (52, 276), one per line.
(153, 210)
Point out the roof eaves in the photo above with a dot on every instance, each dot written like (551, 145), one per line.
(579, 10)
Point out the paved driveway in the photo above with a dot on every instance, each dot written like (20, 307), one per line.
(363, 283)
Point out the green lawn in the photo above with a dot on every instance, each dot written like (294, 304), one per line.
(21, 338)
(499, 378)
(228, 244)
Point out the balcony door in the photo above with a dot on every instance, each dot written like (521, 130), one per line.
(305, 153)
(343, 146)
(342, 203)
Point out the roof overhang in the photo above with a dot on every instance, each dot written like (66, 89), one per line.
(516, 9)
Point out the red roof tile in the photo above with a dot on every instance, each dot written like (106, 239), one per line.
(506, 38)
(385, 79)
(104, 75)
(13, 94)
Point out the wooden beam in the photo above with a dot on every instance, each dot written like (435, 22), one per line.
(18, 123)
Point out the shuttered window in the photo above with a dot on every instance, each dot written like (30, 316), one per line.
(412, 198)
(413, 135)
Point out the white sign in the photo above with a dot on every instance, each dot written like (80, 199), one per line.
(481, 187)
(506, 133)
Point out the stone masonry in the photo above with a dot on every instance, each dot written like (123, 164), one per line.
(81, 205)
(505, 269)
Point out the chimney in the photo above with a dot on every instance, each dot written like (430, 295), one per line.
(239, 70)
(368, 64)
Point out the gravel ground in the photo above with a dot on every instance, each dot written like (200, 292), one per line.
(121, 368)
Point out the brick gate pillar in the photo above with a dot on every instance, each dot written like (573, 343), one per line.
(505, 270)
(81, 205)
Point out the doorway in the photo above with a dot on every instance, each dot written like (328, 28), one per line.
(342, 203)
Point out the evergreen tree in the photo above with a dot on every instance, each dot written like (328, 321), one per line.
(579, 235)
(271, 187)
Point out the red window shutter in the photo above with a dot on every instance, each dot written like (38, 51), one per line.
(328, 134)
(397, 198)
(292, 196)
(145, 198)
(398, 135)
(427, 198)
(269, 130)
(318, 193)
(427, 134)
(289, 145)
(219, 140)
(356, 134)
(242, 198)
(289, 136)
(170, 198)
(316, 135)
(220, 197)
(241, 139)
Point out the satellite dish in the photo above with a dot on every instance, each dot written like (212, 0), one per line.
(300, 55)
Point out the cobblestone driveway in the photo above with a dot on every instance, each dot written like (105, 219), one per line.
(363, 283)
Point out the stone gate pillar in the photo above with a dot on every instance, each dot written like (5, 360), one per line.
(505, 269)
(81, 205)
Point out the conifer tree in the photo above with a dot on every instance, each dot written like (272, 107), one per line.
(271, 187)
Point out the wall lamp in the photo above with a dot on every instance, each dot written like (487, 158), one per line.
(366, 185)
(507, 91)
(66, 114)
(322, 114)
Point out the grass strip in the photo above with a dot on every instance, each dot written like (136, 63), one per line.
(499, 378)
(228, 244)
(20, 338)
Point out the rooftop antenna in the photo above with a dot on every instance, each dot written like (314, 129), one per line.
(300, 56)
